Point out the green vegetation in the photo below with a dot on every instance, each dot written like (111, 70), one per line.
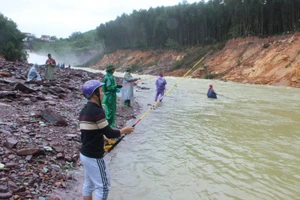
(184, 25)
(211, 23)
(76, 43)
(93, 60)
(190, 59)
(210, 76)
(11, 40)
(135, 67)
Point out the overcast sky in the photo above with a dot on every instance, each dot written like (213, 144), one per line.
(61, 18)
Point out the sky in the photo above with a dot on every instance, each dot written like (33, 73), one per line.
(61, 18)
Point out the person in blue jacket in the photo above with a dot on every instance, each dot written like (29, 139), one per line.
(211, 92)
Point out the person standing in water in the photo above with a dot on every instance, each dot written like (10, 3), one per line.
(211, 92)
(160, 87)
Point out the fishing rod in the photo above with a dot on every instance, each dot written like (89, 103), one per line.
(217, 95)
(133, 82)
(153, 106)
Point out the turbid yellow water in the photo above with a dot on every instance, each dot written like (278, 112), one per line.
(244, 145)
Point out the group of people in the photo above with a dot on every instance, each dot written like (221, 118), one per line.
(50, 73)
(110, 88)
(96, 125)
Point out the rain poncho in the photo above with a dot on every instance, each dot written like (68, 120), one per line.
(50, 69)
(33, 74)
(110, 98)
(211, 93)
(127, 89)
(160, 87)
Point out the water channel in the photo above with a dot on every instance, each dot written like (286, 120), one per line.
(244, 145)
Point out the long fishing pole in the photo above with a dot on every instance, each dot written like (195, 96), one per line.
(217, 95)
(153, 106)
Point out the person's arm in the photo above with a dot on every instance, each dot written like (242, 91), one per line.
(114, 133)
(111, 133)
(129, 78)
(53, 62)
(106, 129)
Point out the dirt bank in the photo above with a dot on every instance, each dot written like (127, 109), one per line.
(273, 61)
(40, 138)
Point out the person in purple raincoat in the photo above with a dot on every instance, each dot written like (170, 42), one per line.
(160, 87)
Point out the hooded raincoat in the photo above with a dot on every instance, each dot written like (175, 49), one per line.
(160, 87)
(127, 89)
(33, 74)
(211, 93)
(110, 98)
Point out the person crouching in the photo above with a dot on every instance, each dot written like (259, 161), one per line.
(33, 74)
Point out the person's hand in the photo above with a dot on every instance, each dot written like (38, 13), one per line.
(127, 130)
(106, 140)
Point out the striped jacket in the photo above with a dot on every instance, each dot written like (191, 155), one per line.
(93, 126)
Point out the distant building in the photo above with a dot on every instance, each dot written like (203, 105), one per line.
(45, 38)
(29, 37)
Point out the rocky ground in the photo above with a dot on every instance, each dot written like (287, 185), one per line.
(39, 133)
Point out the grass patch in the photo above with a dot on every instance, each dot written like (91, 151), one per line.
(210, 76)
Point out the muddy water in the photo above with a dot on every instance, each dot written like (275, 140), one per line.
(244, 145)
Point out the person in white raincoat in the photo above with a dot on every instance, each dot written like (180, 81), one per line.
(127, 89)
(33, 74)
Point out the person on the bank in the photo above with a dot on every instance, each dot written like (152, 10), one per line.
(127, 90)
(50, 68)
(211, 92)
(160, 87)
(93, 128)
(110, 97)
(33, 74)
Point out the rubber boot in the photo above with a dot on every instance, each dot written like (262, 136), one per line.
(126, 103)
(129, 103)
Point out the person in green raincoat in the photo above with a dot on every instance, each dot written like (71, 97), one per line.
(110, 97)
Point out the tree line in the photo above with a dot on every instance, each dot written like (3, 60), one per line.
(172, 27)
(11, 40)
(200, 23)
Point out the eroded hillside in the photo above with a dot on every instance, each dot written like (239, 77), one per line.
(274, 60)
